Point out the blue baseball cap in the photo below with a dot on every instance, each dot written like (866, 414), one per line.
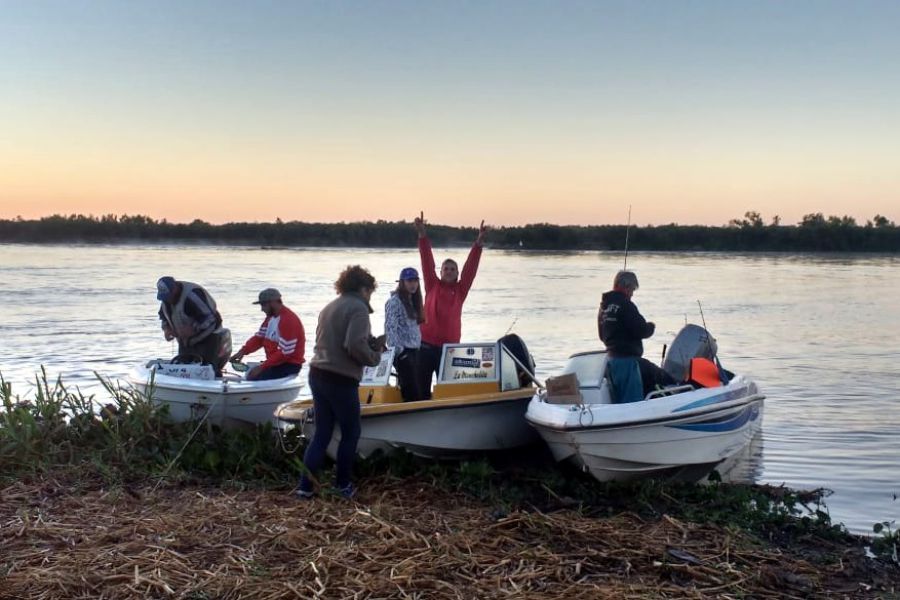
(165, 287)
(408, 273)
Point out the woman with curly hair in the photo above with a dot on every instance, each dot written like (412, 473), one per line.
(344, 345)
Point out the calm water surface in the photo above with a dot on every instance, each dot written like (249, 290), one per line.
(819, 334)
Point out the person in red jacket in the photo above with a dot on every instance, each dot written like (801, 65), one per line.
(282, 336)
(444, 299)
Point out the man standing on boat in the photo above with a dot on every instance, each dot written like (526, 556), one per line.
(282, 336)
(444, 299)
(188, 314)
(622, 328)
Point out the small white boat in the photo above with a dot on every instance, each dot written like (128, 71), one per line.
(680, 432)
(192, 391)
(478, 405)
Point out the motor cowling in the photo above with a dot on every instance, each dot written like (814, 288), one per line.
(517, 348)
(693, 341)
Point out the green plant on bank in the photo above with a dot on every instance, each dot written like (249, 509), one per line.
(130, 439)
(886, 541)
(127, 439)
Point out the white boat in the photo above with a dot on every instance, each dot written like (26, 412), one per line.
(191, 391)
(478, 405)
(680, 432)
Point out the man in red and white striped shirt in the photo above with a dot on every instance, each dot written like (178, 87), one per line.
(282, 336)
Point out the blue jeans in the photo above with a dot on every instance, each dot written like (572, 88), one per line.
(625, 376)
(278, 371)
(335, 399)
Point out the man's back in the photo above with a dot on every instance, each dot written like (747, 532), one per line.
(621, 326)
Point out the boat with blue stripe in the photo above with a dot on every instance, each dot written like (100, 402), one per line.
(677, 432)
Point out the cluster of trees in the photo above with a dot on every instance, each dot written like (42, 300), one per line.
(815, 232)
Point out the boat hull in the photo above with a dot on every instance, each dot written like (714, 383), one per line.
(442, 429)
(228, 403)
(673, 444)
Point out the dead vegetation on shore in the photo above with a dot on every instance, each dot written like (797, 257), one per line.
(400, 538)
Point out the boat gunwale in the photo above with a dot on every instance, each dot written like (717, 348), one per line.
(669, 419)
(418, 406)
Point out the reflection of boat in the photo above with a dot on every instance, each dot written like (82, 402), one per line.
(681, 431)
(190, 391)
(478, 404)
(747, 465)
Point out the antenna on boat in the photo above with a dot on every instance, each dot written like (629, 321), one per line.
(627, 228)
(511, 325)
(702, 318)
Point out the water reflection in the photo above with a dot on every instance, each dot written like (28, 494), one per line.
(818, 333)
(747, 465)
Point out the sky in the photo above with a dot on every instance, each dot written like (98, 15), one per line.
(510, 111)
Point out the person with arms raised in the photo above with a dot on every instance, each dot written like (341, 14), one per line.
(444, 298)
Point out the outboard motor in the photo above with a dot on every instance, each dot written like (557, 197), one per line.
(692, 341)
(517, 348)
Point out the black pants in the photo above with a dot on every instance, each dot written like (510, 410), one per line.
(652, 376)
(208, 349)
(407, 365)
(429, 364)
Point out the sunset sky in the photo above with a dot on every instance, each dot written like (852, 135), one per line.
(515, 112)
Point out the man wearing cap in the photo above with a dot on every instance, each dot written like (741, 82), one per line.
(402, 316)
(282, 336)
(188, 314)
(444, 299)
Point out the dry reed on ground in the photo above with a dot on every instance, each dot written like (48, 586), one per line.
(399, 539)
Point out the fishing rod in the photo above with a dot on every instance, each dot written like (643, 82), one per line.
(702, 318)
(511, 325)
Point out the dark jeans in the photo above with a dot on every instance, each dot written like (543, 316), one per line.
(653, 376)
(278, 371)
(335, 399)
(208, 350)
(429, 364)
(407, 365)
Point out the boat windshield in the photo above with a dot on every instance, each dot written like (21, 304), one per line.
(589, 367)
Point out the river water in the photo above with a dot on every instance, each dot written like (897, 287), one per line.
(820, 334)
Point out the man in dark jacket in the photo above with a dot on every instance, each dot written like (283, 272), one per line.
(188, 314)
(622, 328)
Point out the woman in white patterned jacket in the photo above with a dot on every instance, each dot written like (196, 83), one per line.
(402, 315)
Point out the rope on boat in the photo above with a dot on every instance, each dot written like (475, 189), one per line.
(191, 437)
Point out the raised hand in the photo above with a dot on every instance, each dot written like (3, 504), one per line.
(482, 230)
(420, 224)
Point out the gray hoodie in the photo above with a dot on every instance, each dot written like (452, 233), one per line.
(342, 337)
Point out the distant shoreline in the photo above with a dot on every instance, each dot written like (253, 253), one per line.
(816, 233)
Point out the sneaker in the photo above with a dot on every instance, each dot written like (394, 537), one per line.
(347, 492)
(305, 494)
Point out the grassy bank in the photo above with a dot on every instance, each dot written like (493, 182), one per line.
(107, 497)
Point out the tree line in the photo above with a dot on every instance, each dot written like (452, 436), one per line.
(814, 233)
